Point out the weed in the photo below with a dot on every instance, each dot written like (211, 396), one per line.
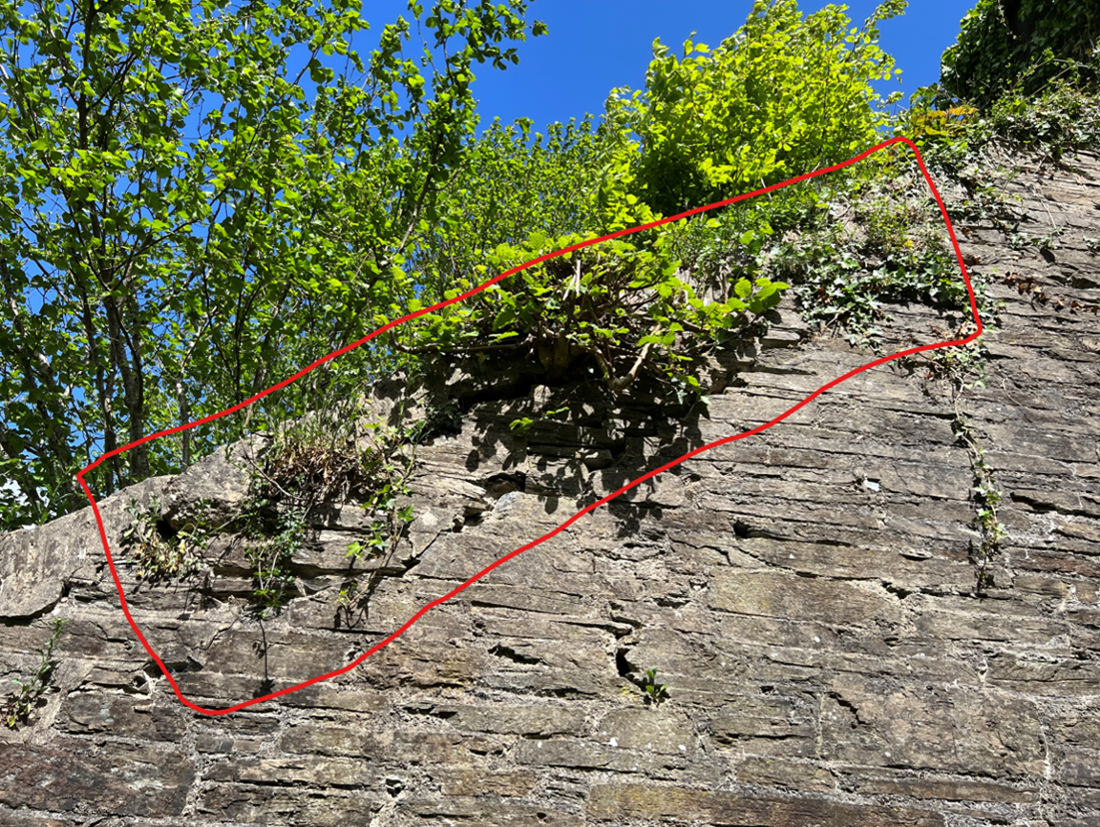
(923, 122)
(655, 693)
(986, 499)
(155, 557)
(524, 424)
(393, 452)
(319, 458)
(1045, 243)
(271, 553)
(1049, 241)
(440, 419)
(521, 425)
(351, 601)
(349, 594)
(1062, 118)
(20, 705)
(962, 365)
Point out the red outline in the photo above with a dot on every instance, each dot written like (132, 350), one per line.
(759, 429)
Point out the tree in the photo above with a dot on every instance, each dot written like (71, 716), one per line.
(508, 185)
(151, 276)
(785, 95)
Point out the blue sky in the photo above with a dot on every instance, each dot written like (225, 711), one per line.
(596, 45)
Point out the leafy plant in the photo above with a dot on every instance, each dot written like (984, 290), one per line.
(439, 419)
(154, 556)
(1049, 240)
(962, 366)
(612, 310)
(1045, 242)
(890, 253)
(525, 423)
(391, 483)
(332, 453)
(656, 693)
(1046, 105)
(271, 555)
(924, 122)
(349, 593)
(19, 706)
(348, 600)
(986, 497)
(512, 182)
(786, 94)
(521, 425)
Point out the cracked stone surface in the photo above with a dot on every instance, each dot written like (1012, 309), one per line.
(807, 595)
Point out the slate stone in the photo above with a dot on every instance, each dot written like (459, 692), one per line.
(808, 595)
(684, 805)
(118, 779)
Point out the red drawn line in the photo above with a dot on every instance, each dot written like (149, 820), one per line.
(474, 291)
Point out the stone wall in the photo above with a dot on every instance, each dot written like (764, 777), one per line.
(807, 594)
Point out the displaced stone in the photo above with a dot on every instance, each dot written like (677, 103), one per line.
(947, 789)
(789, 596)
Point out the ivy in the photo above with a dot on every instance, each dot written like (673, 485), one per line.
(1021, 45)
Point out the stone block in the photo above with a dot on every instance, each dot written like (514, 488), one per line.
(107, 779)
(684, 805)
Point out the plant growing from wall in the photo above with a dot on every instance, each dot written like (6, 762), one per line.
(19, 706)
(393, 457)
(655, 693)
(962, 366)
(270, 556)
(986, 497)
(512, 182)
(924, 123)
(321, 457)
(613, 311)
(156, 557)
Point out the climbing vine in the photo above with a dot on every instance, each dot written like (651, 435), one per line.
(986, 498)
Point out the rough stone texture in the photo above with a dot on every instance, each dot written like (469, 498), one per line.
(806, 594)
